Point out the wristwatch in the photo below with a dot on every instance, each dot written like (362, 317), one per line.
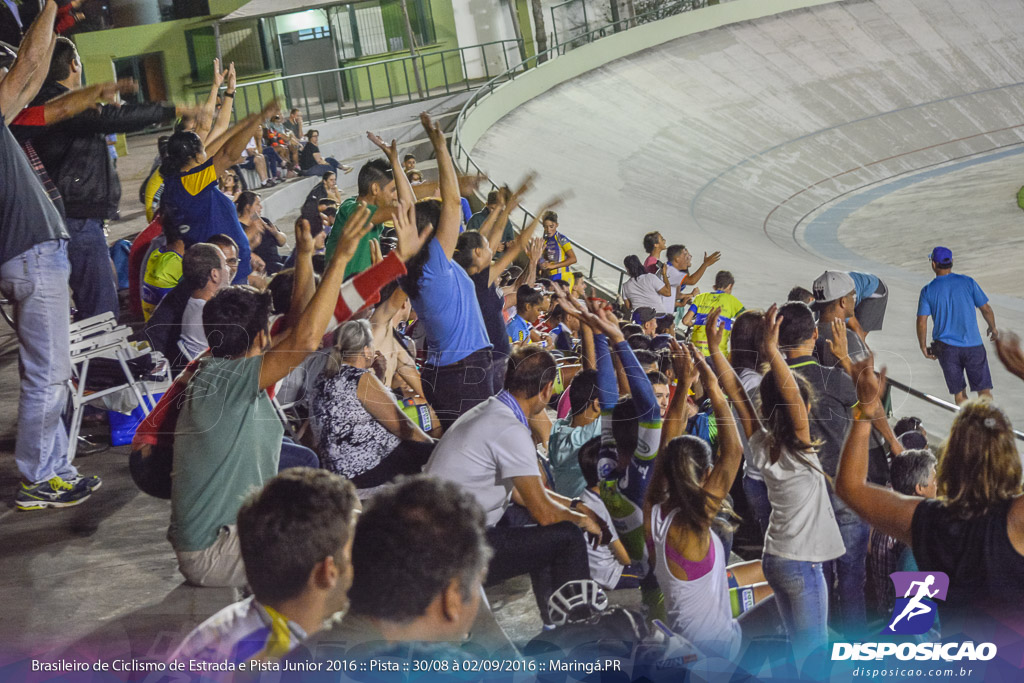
(575, 503)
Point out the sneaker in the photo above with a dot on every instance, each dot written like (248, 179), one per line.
(55, 493)
(346, 168)
(79, 481)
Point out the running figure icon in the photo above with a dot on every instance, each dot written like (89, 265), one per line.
(915, 607)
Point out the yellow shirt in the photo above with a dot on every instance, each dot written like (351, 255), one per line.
(703, 304)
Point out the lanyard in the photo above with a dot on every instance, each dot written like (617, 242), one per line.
(513, 404)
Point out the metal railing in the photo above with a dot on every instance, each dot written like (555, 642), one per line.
(601, 272)
(362, 88)
(934, 400)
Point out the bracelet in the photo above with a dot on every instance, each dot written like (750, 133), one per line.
(574, 503)
(229, 94)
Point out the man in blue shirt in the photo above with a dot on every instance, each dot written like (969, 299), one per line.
(950, 300)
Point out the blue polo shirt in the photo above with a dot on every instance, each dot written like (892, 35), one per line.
(448, 307)
(950, 300)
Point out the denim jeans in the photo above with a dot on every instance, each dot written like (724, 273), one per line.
(92, 275)
(37, 282)
(454, 389)
(318, 170)
(846, 575)
(802, 599)
(757, 499)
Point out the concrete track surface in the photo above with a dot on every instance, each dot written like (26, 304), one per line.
(852, 135)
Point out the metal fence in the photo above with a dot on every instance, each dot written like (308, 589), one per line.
(361, 88)
(605, 275)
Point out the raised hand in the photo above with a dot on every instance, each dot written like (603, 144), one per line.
(535, 250)
(376, 256)
(410, 240)
(231, 77)
(683, 364)
(304, 242)
(770, 343)
(1010, 353)
(707, 374)
(390, 150)
(713, 330)
(357, 225)
(712, 259)
(870, 387)
(433, 130)
(218, 75)
(838, 344)
(270, 110)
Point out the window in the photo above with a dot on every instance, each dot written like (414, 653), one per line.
(314, 33)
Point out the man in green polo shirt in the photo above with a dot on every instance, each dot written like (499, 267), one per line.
(376, 187)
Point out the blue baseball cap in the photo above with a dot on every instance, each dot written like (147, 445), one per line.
(941, 256)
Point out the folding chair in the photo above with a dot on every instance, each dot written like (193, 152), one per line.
(100, 337)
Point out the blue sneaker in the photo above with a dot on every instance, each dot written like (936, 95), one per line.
(79, 481)
(55, 493)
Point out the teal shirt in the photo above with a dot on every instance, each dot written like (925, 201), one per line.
(563, 452)
(227, 444)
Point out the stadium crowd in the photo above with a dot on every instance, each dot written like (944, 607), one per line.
(402, 402)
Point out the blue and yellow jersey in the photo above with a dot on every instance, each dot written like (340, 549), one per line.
(557, 248)
(703, 304)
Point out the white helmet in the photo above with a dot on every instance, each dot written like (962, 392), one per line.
(577, 601)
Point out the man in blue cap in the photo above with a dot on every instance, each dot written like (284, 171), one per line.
(950, 300)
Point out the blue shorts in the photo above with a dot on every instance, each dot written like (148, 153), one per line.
(955, 360)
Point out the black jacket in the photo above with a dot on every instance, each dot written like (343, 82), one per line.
(163, 329)
(75, 154)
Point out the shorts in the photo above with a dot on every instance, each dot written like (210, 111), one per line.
(218, 565)
(955, 360)
(871, 311)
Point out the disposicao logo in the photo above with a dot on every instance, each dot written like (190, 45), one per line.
(913, 615)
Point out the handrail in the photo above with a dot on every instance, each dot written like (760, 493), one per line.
(934, 400)
(460, 153)
(399, 86)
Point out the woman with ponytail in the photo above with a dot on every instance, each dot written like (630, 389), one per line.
(686, 495)
(802, 529)
(191, 195)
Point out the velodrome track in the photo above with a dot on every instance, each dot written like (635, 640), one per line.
(852, 135)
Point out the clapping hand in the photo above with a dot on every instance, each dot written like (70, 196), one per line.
(838, 344)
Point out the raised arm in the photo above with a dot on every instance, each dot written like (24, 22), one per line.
(204, 123)
(402, 185)
(520, 242)
(304, 337)
(788, 387)
(304, 285)
(709, 260)
(223, 120)
(447, 232)
(510, 200)
(730, 447)
(686, 372)
(727, 375)
(231, 144)
(890, 512)
(26, 75)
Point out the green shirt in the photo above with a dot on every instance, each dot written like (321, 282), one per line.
(227, 443)
(362, 259)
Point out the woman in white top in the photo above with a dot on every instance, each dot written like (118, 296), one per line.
(745, 355)
(685, 496)
(802, 529)
(644, 289)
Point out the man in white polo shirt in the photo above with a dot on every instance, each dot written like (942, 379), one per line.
(490, 453)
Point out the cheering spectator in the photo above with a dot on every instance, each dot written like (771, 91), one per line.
(683, 502)
(191, 196)
(358, 427)
(835, 296)
(974, 530)
(722, 299)
(802, 530)
(494, 204)
(460, 371)
(558, 252)
(643, 288)
(654, 244)
(87, 178)
(295, 537)
(950, 300)
(745, 347)
(490, 453)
